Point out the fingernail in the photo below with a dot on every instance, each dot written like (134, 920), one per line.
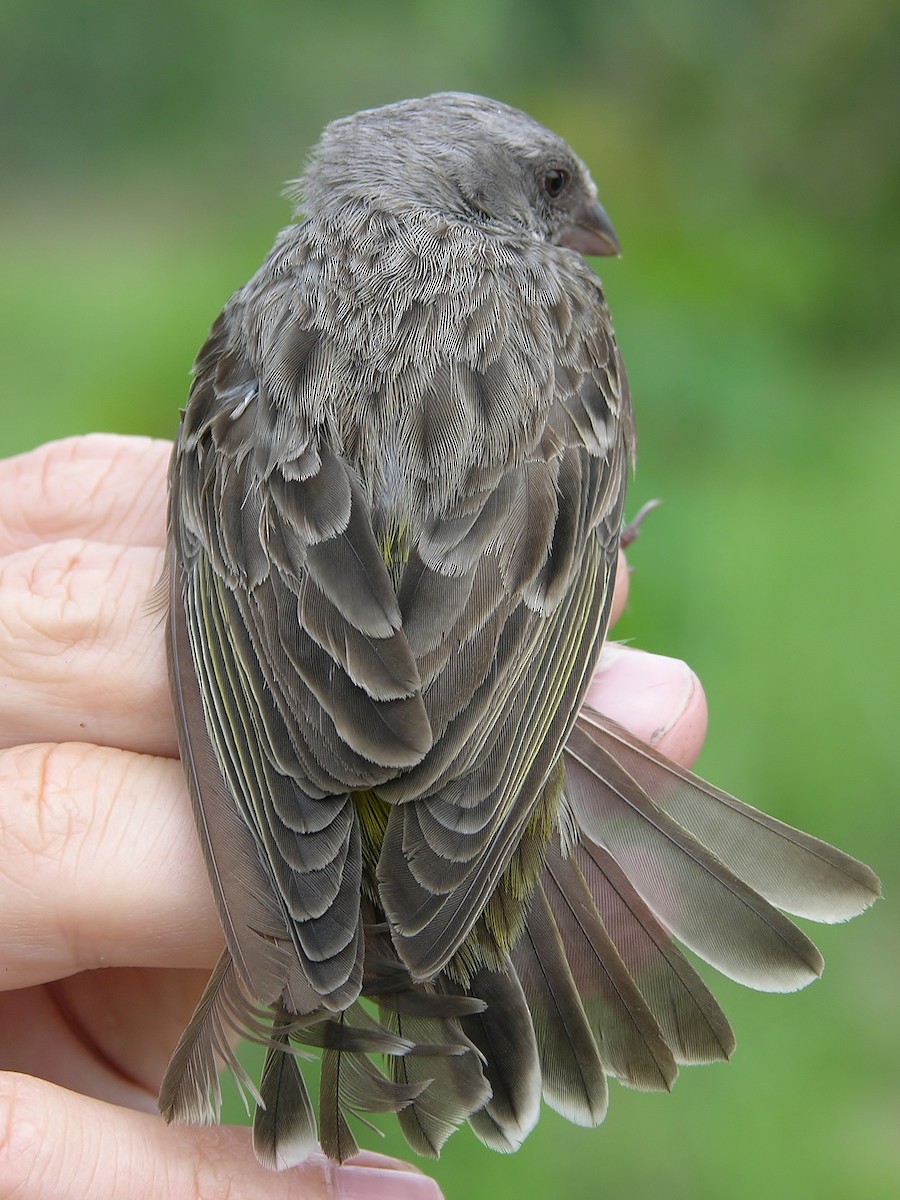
(371, 1183)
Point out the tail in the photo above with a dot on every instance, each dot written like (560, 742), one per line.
(645, 853)
(433, 1079)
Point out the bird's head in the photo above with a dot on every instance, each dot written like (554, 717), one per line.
(466, 157)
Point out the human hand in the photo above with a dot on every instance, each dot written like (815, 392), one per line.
(109, 927)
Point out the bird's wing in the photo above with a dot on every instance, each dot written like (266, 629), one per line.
(284, 616)
(505, 605)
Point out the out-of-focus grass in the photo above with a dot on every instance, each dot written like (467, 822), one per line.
(103, 311)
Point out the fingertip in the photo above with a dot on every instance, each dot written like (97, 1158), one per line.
(54, 1141)
(390, 1180)
(620, 592)
(659, 699)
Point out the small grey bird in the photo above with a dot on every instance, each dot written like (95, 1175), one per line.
(395, 508)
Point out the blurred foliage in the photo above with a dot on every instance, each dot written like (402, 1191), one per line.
(747, 152)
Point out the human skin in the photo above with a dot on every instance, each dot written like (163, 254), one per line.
(109, 928)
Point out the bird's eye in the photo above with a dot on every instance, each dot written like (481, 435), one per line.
(555, 182)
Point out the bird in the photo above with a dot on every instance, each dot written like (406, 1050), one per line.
(396, 502)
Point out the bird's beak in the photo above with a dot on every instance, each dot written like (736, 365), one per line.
(589, 231)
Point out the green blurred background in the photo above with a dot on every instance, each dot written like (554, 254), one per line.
(747, 153)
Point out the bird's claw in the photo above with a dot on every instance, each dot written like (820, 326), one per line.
(631, 531)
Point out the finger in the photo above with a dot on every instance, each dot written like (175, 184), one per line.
(659, 699)
(101, 865)
(57, 1145)
(107, 1034)
(103, 487)
(620, 594)
(81, 647)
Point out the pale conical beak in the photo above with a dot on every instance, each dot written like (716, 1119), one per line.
(589, 231)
